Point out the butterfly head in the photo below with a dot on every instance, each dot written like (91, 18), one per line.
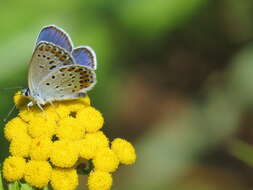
(34, 98)
(26, 92)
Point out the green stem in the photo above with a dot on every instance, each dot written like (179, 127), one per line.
(13, 186)
(1, 181)
(46, 188)
(25, 186)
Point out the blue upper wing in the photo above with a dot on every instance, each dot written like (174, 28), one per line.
(55, 35)
(85, 56)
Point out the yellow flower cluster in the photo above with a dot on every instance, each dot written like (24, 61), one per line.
(47, 146)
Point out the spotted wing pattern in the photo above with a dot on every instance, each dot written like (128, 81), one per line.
(55, 35)
(67, 82)
(84, 55)
(45, 59)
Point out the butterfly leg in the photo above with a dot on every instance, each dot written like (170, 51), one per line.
(41, 108)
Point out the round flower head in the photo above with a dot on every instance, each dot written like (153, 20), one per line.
(28, 114)
(91, 143)
(64, 153)
(59, 110)
(40, 148)
(39, 126)
(70, 107)
(85, 100)
(20, 146)
(38, 173)
(106, 160)
(20, 100)
(77, 105)
(15, 128)
(64, 179)
(99, 180)
(52, 112)
(13, 168)
(69, 128)
(124, 150)
(91, 119)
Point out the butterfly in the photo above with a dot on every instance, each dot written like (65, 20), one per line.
(57, 71)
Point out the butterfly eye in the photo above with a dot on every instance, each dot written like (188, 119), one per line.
(27, 92)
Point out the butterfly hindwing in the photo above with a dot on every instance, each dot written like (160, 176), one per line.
(55, 35)
(85, 56)
(45, 59)
(67, 82)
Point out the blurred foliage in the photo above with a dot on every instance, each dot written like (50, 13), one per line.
(174, 75)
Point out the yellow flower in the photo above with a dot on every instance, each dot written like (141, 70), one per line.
(68, 108)
(15, 128)
(28, 114)
(51, 112)
(13, 168)
(40, 148)
(63, 136)
(69, 128)
(91, 143)
(77, 104)
(64, 153)
(64, 179)
(39, 126)
(91, 119)
(38, 173)
(60, 109)
(124, 150)
(99, 180)
(106, 160)
(20, 146)
(20, 100)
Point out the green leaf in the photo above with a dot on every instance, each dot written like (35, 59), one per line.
(242, 151)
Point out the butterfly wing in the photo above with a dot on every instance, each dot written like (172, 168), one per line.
(55, 35)
(67, 82)
(85, 56)
(45, 59)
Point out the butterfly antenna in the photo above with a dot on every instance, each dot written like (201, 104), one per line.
(10, 112)
(12, 88)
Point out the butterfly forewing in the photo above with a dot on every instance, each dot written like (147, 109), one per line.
(55, 35)
(45, 59)
(67, 82)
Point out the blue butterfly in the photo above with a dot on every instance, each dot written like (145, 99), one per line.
(57, 71)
